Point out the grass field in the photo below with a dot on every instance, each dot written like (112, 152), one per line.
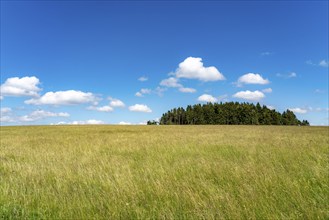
(161, 172)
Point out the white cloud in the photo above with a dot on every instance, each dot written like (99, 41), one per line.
(129, 123)
(266, 53)
(60, 123)
(5, 110)
(124, 123)
(309, 62)
(160, 90)
(171, 82)
(289, 75)
(192, 68)
(94, 122)
(40, 114)
(101, 109)
(87, 122)
(1, 97)
(268, 90)
(69, 97)
(252, 78)
(25, 86)
(143, 91)
(6, 118)
(298, 110)
(5, 115)
(223, 98)
(317, 109)
(270, 107)
(140, 108)
(26, 118)
(142, 78)
(292, 74)
(323, 63)
(320, 109)
(248, 95)
(187, 90)
(116, 103)
(207, 98)
(319, 91)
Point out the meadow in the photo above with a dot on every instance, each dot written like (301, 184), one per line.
(164, 172)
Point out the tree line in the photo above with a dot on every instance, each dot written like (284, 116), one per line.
(228, 113)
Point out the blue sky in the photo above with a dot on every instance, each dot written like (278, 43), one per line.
(129, 62)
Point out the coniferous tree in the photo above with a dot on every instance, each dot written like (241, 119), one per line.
(229, 113)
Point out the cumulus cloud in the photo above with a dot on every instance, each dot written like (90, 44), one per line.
(40, 114)
(142, 79)
(116, 103)
(69, 97)
(268, 90)
(292, 74)
(5, 110)
(187, 90)
(270, 107)
(207, 98)
(143, 91)
(192, 68)
(87, 122)
(25, 86)
(318, 109)
(124, 123)
(223, 98)
(6, 118)
(324, 63)
(140, 108)
(252, 78)
(298, 110)
(288, 75)
(5, 115)
(249, 95)
(309, 62)
(319, 91)
(59, 123)
(266, 53)
(171, 82)
(160, 90)
(101, 109)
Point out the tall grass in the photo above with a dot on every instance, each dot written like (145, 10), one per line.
(161, 172)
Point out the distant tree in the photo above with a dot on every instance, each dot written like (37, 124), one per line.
(305, 123)
(153, 122)
(229, 113)
(289, 118)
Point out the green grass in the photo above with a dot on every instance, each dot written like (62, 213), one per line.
(164, 172)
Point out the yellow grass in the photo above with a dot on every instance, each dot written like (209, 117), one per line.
(164, 172)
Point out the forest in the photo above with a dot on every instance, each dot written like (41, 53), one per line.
(228, 113)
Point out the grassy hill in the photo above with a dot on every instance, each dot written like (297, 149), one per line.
(181, 172)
